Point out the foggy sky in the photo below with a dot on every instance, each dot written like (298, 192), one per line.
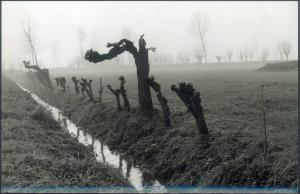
(166, 25)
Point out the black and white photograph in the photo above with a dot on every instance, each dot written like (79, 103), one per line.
(149, 97)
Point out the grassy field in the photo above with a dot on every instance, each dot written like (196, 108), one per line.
(37, 152)
(233, 110)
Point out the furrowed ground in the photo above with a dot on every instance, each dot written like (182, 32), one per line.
(36, 151)
(233, 111)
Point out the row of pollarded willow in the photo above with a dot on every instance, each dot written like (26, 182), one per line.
(186, 92)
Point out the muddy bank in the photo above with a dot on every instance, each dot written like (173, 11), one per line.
(177, 155)
(37, 153)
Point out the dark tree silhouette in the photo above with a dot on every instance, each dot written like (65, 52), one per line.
(123, 93)
(142, 64)
(229, 55)
(90, 90)
(219, 58)
(117, 95)
(76, 85)
(61, 83)
(241, 57)
(84, 88)
(192, 101)
(162, 100)
(100, 91)
(42, 74)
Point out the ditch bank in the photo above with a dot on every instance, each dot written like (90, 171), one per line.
(38, 155)
(177, 156)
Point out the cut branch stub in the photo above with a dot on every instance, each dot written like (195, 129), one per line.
(116, 93)
(192, 100)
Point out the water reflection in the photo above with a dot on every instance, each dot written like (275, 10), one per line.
(120, 162)
(102, 153)
(129, 166)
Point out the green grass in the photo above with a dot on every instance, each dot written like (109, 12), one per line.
(36, 151)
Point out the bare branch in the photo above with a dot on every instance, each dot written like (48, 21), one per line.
(117, 48)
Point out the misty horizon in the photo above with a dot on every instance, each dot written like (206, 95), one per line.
(235, 26)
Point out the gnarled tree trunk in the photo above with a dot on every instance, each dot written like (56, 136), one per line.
(84, 84)
(142, 64)
(76, 85)
(142, 67)
(162, 100)
(123, 93)
(61, 83)
(90, 90)
(41, 74)
(192, 101)
(117, 95)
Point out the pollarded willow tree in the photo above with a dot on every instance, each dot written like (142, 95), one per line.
(142, 64)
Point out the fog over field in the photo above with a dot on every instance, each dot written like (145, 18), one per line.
(234, 26)
(153, 97)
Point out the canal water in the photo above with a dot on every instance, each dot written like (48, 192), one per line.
(137, 178)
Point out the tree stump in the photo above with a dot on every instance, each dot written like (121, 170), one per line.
(192, 101)
(42, 75)
(76, 85)
(84, 88)
(90, 90)
(123, 93)
(61, 83)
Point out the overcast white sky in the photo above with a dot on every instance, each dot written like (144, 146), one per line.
(233, 25)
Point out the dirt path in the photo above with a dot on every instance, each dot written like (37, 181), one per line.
(37, 153)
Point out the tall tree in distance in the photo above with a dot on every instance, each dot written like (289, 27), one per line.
(219, 58)
(264, 54)
(229, 55)
(199, 54)
(31, 40)
(141, 61)
(251, 54)
(81, 37)
(279, 51)
(286, 49)
(199, 27)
